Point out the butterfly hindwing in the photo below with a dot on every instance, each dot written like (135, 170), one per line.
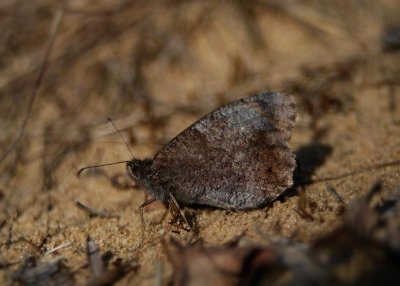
(236, 157)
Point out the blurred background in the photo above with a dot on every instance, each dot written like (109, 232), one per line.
(155, 67)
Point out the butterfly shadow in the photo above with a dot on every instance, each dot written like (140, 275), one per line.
(308, 158)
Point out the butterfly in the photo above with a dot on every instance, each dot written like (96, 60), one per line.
(236, 157)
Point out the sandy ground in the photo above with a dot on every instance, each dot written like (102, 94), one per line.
(155, 67)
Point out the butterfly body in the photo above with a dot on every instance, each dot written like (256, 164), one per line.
(236, 157)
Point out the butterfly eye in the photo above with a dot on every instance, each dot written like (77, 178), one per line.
(130, 169)
(133, 168)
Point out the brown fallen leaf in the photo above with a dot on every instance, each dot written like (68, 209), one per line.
(111, 276)
(219, 266)
(51, 273)
(94, 257)
(100, 274)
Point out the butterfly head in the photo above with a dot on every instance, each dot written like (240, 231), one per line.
(139, 169)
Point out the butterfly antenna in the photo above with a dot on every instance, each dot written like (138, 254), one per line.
(120, 134)
(101, 165)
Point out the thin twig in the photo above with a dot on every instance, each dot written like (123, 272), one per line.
(95, 212)
(52, 36)
(332, 190)
(10, 229)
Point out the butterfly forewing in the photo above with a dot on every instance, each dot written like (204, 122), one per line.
(236, 157)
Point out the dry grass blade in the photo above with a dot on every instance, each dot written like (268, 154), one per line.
(355, 172)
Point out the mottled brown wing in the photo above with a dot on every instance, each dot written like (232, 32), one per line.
(236, 157)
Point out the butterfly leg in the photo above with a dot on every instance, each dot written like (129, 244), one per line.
(178, 217)
(141, 209)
